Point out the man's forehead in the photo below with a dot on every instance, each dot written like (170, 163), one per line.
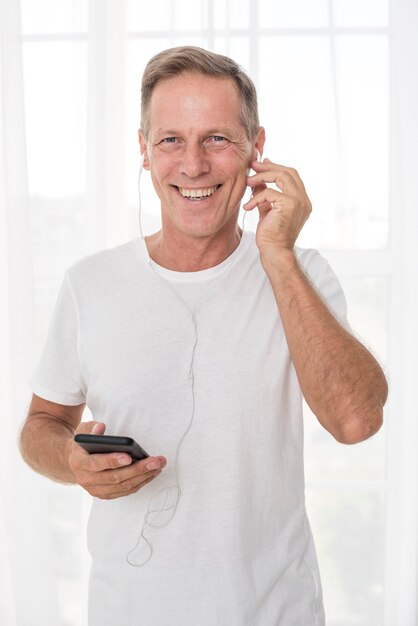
(212, 101)
(192, 87)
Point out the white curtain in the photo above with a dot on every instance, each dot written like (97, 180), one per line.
(25, 564)
(68, 166)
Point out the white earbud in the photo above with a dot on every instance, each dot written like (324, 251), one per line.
(141, 167)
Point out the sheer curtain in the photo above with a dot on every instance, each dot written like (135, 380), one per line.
(30, 555)
(26, 574)
(338, 92)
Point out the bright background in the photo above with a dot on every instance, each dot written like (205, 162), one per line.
(338, 93)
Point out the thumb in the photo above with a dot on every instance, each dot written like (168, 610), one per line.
(92, 427)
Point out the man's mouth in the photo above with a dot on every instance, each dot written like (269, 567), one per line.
(197, 194)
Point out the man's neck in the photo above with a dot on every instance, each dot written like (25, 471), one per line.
(185, 254)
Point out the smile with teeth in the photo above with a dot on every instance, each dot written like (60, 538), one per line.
(197, 194)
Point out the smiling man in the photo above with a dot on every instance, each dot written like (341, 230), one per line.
(200, 341)
(199, 154)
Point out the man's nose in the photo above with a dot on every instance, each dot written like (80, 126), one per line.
(195, 161)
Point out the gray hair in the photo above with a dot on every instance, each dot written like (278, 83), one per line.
(176, 61)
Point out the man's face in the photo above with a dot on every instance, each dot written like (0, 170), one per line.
(198, 153)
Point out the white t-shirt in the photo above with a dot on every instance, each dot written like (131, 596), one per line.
(195, 366)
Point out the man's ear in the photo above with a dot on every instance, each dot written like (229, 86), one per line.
(259, 144)
(143, 149)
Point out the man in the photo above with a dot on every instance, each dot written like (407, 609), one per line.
(199, 342)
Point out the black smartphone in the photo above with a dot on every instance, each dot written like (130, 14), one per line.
(109, 443)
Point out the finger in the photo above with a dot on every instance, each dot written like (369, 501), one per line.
(269, 176)
(97, 462)
(137, 481)
(262, 207)
(79, 458)
(258, 189)
(100, 481)
(107, 494)
(103, 461)
(91, 427)
(126, 478)
(266, 195)
(100, 462)
(282, 174)
(284, 180)
(267, 164)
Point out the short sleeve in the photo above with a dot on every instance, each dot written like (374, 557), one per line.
(57, 377)
(326, 283)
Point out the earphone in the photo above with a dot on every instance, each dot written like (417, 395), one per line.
(252, 193)
(163, 504)
(162, 507)
(141, 168)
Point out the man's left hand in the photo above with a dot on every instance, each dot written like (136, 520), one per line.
(283, 211)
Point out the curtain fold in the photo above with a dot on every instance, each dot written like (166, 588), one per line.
(28, 594)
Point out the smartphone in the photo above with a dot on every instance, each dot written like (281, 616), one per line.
(109, 443)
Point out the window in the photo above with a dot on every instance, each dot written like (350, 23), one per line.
(338, 94)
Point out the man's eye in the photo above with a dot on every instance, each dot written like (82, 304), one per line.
(169, 140)
(216, 140)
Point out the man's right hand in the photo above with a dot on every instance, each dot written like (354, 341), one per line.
(113, 475)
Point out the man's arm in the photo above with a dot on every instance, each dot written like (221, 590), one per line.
(341, 381)
(46, 444)
(46, 438)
